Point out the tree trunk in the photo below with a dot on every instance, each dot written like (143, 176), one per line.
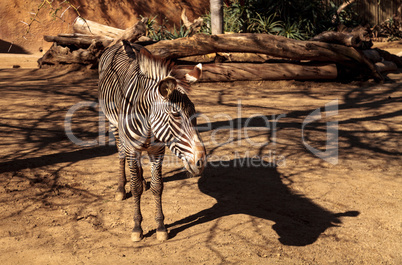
(216, 16)
(222, 72)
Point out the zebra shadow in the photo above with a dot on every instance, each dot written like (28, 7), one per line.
(253, 187)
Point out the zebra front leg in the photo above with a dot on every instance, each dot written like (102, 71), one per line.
(121, 190)
(121, 184)
(136, 190)
(157, 189)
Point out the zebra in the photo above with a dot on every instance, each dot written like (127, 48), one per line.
(148, 108)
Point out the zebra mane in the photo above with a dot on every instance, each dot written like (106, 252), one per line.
(153, 67)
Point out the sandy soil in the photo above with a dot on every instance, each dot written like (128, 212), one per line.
(263, 199)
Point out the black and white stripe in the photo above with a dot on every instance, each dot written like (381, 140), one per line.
(147, 107)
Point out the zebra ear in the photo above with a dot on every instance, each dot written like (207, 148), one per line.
(194, 74)
(166, 86)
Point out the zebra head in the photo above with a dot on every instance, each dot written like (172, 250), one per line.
(174, 121)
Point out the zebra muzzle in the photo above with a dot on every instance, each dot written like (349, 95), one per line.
(196, 164)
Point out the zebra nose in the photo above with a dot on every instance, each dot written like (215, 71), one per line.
(199, 163)
(199, 159)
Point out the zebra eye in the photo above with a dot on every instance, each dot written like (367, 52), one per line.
(175, 114)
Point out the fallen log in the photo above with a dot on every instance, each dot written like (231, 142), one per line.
(223, 72)
(246, 43)
(77, 39)
(200, 44)
(253, 43)
(84, 40)
(344, 38)
(220, 57)
(390, 57)
(88, 27)
(132, 34)
(64, 55)
(386, 66)
(373, 55)
(267, 44)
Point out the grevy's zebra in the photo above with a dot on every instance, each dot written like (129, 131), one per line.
(148, 107)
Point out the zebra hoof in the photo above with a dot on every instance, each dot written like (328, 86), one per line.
(162, 235)
(120, 196)
(136, 236)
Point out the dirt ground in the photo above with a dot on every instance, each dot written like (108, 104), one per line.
(263, 199)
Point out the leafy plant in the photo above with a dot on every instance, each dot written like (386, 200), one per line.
(261, 24)
(347, 17)
(150, 24)
(178, 33)
(161, 32)
(292, 31)
(237, 16)
(391, 28)
(297, 19)
(206, 26)
(232, 18)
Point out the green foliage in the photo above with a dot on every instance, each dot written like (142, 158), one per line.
(206, 26)
(348, 17)
(391, 28)
(238, 16)
(178, 33)
(263, 24)
(232, 17)
(292, 31)
(155, 31)
(297, 19)
(161, 32)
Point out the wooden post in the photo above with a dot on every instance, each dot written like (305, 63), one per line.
(216, 16)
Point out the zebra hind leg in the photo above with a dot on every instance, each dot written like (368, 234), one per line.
(137, 190)
(121, 190)
(157, 189)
